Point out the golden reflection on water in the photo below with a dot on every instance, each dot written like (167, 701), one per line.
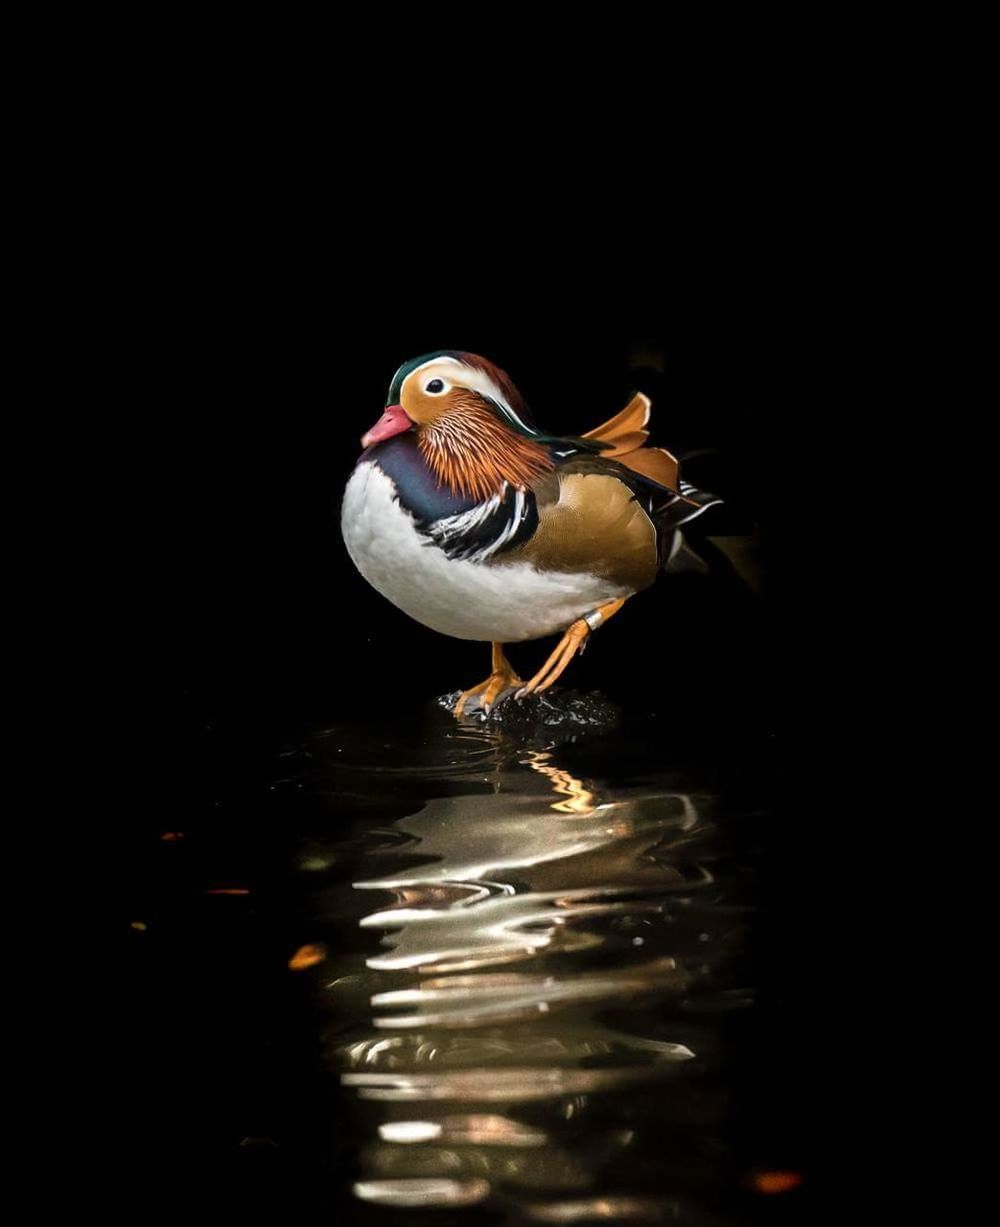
(580, 800)
(524, 983)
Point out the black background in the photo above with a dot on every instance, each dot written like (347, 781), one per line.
(257, 379)
(252, 346)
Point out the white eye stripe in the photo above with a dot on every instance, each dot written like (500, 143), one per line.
(434, 362)
(476, 380)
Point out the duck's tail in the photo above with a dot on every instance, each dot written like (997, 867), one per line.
(625, 438)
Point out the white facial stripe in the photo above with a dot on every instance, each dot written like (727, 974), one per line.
(434, 362)
(476, 380)
(423, 367)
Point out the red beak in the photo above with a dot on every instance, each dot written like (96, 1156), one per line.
(393, 422)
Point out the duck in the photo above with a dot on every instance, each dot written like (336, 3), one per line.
(476, 523)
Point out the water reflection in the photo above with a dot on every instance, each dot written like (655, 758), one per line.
(527, 1017)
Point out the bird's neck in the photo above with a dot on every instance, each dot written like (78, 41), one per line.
(473, 453)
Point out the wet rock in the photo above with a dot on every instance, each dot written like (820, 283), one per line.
(565, 711)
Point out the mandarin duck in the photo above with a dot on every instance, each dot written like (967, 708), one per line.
(481, 526)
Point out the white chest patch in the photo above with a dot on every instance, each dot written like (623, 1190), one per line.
(502, 603)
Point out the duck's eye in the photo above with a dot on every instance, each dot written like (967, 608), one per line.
(435, 386)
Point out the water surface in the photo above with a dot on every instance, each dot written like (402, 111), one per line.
(507, 965)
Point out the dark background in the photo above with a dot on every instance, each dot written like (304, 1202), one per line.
(250, 356)
(258, 382)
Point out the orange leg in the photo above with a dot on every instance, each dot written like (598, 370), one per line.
(502, 678)
(571, 643)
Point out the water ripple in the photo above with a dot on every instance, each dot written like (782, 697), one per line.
(526, 1087)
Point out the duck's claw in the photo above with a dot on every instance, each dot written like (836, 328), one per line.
(571, 643)
(489, 691)
(574, 640)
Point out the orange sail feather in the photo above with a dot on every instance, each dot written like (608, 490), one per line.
(626, 433)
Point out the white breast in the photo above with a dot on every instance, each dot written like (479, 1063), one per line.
(502, 603)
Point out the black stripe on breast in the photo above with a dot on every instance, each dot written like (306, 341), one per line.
(488, 529)
(459, 525)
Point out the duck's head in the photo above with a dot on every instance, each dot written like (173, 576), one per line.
(470, 421)
(428, 390)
